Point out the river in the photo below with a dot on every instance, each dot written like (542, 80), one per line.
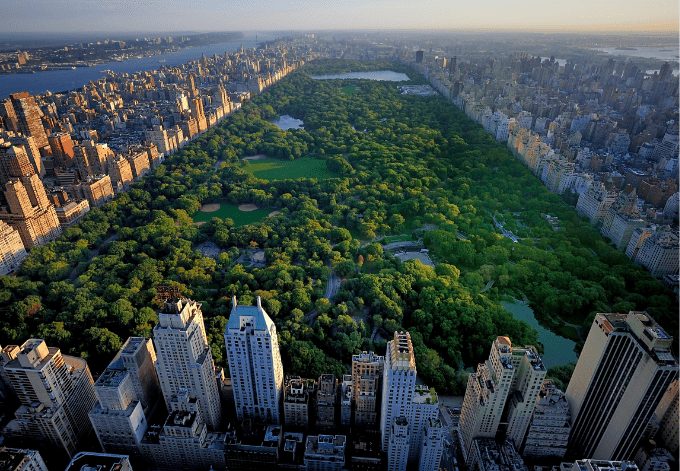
(557, 350)
(70, 79)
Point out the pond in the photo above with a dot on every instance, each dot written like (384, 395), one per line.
(557, 350)
(286, 122)
(381, 75)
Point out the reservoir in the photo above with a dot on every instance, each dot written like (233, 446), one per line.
(557, 350)
(70, 79)
(380, 75)
(286, 122)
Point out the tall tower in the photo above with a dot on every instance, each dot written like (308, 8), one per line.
(55, 391)
(254, 362)
(624, 370)
(486, 392)
(502, 390)
(367, 371)
(399, 383)
(29, 117)
(184, 358)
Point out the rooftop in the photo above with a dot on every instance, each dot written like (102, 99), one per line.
(244, 317)
(86, 461)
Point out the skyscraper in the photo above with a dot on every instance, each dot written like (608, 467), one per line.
(30, 211)
(127, 392)
(367, 369)
(55, 391)
(29, 117)
(402, 398)
(624, 370)
(12, 250)
(550, 425)
(504, 388)
(254, 362)
(399, 383)
(184, 358)
(62, 148)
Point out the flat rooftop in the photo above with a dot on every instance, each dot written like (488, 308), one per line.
(85, 461)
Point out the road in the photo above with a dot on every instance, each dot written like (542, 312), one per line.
(332, 288)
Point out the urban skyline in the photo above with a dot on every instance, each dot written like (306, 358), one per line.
(339, 236)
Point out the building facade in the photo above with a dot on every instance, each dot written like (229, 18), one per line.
(254, 362)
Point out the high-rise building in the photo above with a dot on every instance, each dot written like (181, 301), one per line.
(17, 459)
(296, 398)
(503, 387)
(659, 253)
(401, 397)
(12, 250)
(398, 444)
(399, 383)
(29, 117)
(184, 359)
(120, 173)
(254, 362)
(14, 162)
(127, 392)
(432, 445)
(667, 414)
(62, 148)
(55, 391)
(367, 371)
(325, 453)
(624, 369)
(97, 190)
(30, 211)
(139, 163)
(550, 425)
(419, 57)
(99, 461)
(326, 398)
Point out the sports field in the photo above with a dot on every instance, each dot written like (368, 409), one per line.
(241, 215)
(279, 169)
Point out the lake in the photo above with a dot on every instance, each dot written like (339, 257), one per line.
(557, 350)
(380, 75)
(286, 122)
(70, 79)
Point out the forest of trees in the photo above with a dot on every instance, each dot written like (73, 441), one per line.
(403, 163)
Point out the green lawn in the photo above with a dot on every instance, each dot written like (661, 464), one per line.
(228, 210)
(278, 169)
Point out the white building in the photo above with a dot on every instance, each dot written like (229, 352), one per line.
(659, 253)
(184, 358)
(594, 203)
(12, 250)
(505, 386)
(254, 362)
(599, 465)
(55, 391)
(624, 369)
(550, 426)
(126, 392)
(399, 383)
(398, 444)
(432, 445)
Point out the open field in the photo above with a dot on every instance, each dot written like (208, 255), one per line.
(278, 169)
(241, 217)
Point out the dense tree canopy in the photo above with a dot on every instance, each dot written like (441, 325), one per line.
(405, 165)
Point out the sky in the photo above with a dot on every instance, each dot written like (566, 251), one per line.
(73, 16)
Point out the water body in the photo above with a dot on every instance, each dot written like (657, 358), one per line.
(380, 75)
(70, 79)
(286, 122)
(663, 53)
(557, 350)
(561, 62)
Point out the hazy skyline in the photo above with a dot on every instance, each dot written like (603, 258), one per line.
(217, 15)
